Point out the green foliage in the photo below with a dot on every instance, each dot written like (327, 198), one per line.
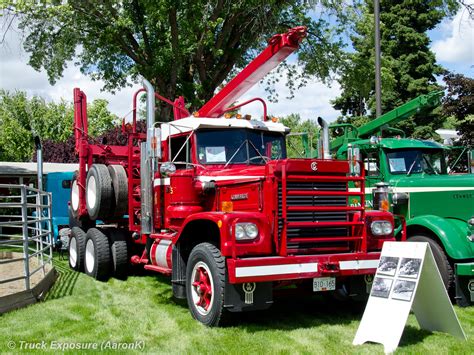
(408, 65)
(294, 142)
(186, 47)
(459, 103)
(21, 119)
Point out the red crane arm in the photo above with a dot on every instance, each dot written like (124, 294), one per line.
(279, 48)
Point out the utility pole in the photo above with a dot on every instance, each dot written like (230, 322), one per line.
(378, 84)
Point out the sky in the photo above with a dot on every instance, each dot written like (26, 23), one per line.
(452, 42)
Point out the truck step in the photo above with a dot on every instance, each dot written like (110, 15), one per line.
(161, 270)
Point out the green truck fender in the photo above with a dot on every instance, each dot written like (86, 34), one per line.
(452, 233)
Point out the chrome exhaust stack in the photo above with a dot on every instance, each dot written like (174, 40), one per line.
(39, 162)
(149, 155)
(325, 138)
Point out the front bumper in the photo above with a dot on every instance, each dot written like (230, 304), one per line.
(278, 268)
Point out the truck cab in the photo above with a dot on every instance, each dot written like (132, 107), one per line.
(438, 207)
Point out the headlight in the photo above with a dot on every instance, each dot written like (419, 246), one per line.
(381, 228)
(251, 230)
(239, 232)
(245, 231)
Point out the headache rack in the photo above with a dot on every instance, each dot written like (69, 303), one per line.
(317, 214)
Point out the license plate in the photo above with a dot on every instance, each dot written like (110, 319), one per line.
(324, 284)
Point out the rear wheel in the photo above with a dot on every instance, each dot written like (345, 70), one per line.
(97, 255)
(444, 266)
(99, 192)
(205, 284)
(76, 248)
(119, 253)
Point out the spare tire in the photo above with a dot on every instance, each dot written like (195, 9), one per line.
(75, 195)
(99, 192)
(120, 186)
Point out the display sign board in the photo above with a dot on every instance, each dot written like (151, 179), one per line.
(407, 279)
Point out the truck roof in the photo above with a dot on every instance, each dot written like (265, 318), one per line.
(400, 143)
(189, 124)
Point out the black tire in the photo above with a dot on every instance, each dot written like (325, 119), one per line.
(84, 223)
(210, 259)
(74, 197)
(97, 255)
(119, 252)
(77, 249)
(99, 192)
(444, 266)
(120, 186)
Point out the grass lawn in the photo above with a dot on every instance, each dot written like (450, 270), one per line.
(81, 310)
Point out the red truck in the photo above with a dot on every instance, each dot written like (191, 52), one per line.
(212, 200)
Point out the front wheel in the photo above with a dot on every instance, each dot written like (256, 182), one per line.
(205, 284)
(444, 266)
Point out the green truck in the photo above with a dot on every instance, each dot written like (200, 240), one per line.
(438, 207)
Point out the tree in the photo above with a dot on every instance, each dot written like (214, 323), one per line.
(295, 148)
(459, 103)
(21, 119)
(186, 47)
(409, 67)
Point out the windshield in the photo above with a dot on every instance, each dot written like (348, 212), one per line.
(416, 161)
(239, 146)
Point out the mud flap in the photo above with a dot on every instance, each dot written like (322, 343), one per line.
(464, 290)
(248, 296)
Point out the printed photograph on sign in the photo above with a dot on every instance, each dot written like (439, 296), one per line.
(388, 265)
(403, 290)
(381, 287)
(409, 267)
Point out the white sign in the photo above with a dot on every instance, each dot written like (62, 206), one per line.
(215, 155)
(407, 279)
(397, 164)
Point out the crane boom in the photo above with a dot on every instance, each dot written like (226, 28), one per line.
(279, 48)
(412, 107)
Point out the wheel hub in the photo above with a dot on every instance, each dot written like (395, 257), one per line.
(202, 288)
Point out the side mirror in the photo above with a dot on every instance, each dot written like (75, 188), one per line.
(168, 168)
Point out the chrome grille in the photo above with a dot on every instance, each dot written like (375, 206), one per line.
(300, 245)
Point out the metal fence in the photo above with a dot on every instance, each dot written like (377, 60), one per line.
(25, 228)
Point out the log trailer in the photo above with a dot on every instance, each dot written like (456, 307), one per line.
(212, 201)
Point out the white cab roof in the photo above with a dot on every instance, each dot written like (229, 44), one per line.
(189, 124)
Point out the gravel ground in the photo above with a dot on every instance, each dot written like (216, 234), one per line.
(17, 268)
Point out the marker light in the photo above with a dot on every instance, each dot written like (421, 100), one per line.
(227, 115)
(274, 119)
(227, 206)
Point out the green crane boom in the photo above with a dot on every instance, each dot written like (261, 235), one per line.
(351, 133)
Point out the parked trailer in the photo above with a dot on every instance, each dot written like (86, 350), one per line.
(214, 203)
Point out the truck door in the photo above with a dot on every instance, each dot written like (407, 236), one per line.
(371, 159)
(178, 191)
